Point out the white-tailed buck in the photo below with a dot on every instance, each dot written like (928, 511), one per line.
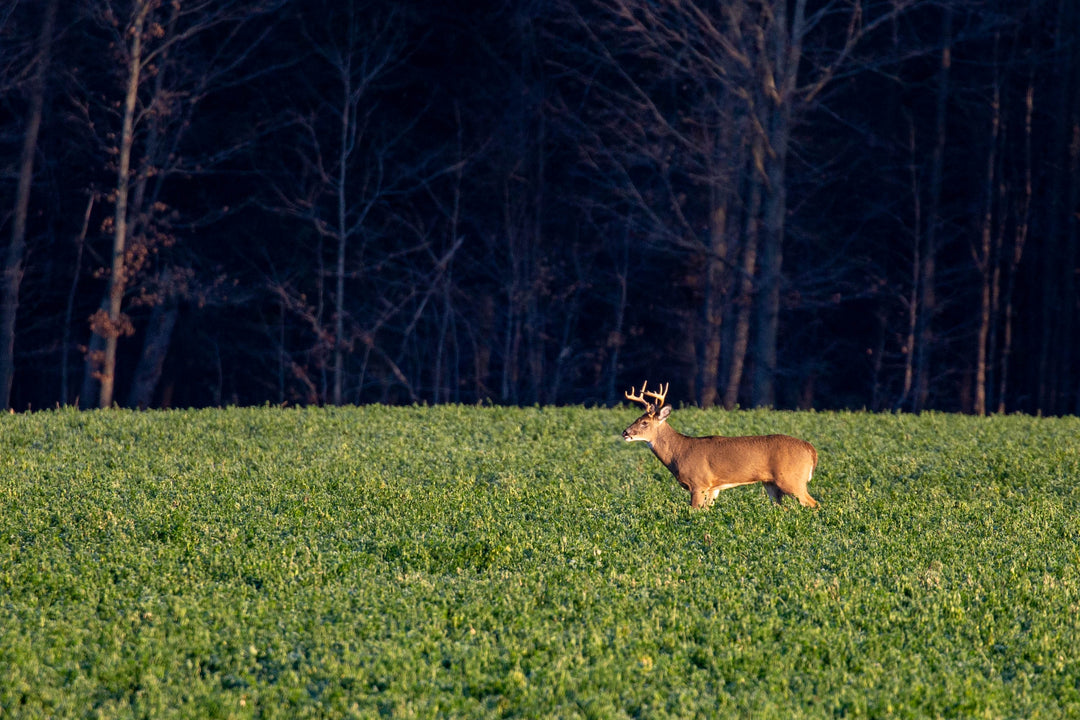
(707, 465)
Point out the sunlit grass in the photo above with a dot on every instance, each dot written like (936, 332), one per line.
(493, 562)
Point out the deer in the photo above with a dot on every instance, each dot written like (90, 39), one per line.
(707, 465)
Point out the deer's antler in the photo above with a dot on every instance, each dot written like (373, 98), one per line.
(658, 396)
(640, 397)
(650, 408)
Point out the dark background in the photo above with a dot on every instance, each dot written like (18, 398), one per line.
(789, 203)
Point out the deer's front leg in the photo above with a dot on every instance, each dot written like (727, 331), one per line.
(699, 497)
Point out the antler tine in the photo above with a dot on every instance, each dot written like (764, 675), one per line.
(640, 397)
(659, 396)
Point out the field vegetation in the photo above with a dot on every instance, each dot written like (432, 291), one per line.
(523, 562)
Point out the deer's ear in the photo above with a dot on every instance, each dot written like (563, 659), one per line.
(664, 412)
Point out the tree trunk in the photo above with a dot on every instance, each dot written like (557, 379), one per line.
(712, 306)
(155, 348)
(786, 48)
(13, 263)
(1059, 251)
(876, 404)
(93, 362)
(115, 324)
(1072, 221)
(481, 345)
(617, 337)
(981, 349)
(342, 238)
(69, 306)
(767, 299)
(1019, 240)
(984, 257)
(927, 299)
(745, 295)
(912, 299)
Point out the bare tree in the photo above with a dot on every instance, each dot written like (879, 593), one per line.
(1019, 241)
(1062, 235)
(707, 96)
(13, 261)
(664, 132)
(350, 166)
(986, 254)
(788, 87)
(740, 338)
(165, 73)
(911, 300)
(926, 300)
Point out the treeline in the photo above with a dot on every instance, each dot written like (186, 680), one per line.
(795, 203)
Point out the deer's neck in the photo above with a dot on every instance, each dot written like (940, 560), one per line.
(668, 445)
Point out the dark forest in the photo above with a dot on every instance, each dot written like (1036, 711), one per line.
(789, 203)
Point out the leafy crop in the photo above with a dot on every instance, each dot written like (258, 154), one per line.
(505, 562)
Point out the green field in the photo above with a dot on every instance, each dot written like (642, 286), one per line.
(504, 562)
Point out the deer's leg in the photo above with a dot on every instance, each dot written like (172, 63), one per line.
(775, 493)
(699, 498)
(796, 488)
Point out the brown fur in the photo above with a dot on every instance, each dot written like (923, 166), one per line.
(707, 465)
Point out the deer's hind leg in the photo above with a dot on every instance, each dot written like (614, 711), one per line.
(775, 493)
(797, 489)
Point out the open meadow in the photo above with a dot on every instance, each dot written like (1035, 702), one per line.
(525, 562)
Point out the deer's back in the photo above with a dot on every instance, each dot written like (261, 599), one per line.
(758, 455)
